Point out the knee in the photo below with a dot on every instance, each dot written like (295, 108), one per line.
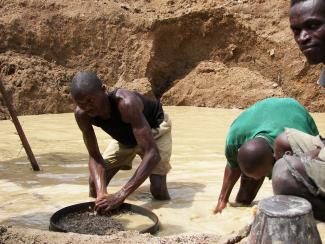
(283, 183)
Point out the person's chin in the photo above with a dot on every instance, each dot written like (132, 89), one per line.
(92, 115)
(313, 57)
(313, 61)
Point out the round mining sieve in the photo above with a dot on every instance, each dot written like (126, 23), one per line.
(55, 226)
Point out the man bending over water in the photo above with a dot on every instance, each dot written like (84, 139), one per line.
(249, 145)
(303, 174)
(138, 125)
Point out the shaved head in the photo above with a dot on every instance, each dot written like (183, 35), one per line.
(84, 83)
(255, 157)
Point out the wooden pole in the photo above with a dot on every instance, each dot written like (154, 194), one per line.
(19, 129)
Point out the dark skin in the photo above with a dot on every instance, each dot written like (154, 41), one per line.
(307, 22)
(284, 183)
(251, 181)
(131, 107)
(247, 190)
(281, 146)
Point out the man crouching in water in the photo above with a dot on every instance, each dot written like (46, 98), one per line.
(138, 125)
(303, 173)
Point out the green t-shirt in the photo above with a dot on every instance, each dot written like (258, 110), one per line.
(267, 118)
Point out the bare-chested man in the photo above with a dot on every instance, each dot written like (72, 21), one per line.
(303, 173)
(139, 127)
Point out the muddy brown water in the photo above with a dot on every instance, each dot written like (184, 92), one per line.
(29, 198)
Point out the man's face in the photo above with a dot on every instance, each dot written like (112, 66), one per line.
(258, 173)
(307, 21)
(91, 104)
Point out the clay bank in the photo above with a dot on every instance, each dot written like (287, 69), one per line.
(185, 52)
(212, 53)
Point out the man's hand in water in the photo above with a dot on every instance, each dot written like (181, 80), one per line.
(107, 203)
(221, 205)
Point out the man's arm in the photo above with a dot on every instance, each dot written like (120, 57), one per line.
(231, 176)
(96, 161)
(131, 109)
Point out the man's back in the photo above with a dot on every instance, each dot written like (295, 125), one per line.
(121, 131)
(267, 119)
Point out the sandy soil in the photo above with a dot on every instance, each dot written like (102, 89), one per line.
(12, 235)
(217, 53)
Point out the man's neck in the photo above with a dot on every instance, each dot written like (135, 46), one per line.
(106, 114)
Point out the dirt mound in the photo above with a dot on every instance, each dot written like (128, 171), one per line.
(215, 84)
(202, 53)
(12, 235)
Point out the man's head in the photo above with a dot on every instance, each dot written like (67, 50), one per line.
(255, 158)
(307, 21)
(88, 92)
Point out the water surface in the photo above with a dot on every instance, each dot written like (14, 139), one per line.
(29, 198)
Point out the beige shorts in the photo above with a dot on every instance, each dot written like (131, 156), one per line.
(301, 143)
(119, 155)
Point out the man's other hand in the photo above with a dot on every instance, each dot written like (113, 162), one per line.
(107, 203)
(221, 205)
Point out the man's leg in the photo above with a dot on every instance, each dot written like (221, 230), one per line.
(158, 187)
(158, 182)
(248, 189)
(287, 181)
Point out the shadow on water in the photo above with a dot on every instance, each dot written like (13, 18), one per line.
(182, 195)
(56, 168)
(39, 220)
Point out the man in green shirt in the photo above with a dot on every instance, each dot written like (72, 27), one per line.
(249, 145)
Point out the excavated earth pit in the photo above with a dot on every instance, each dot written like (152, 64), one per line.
(212, 53)
(186, 52)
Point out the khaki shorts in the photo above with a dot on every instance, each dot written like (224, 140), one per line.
(301, 143)
(119, 155)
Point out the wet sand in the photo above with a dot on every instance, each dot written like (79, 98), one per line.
(28, 199)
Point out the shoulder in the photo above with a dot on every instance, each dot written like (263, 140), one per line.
(79, 113)
(128, 100)
(81, 116)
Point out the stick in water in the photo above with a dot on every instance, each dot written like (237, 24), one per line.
(19, 129)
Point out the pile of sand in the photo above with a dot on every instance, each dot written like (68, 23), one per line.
(216, 53)
(12, 235)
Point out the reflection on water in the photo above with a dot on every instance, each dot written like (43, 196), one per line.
(133, 221)
(29, 199)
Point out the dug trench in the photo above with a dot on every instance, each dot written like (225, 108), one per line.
(210, 53)
(201, 55)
